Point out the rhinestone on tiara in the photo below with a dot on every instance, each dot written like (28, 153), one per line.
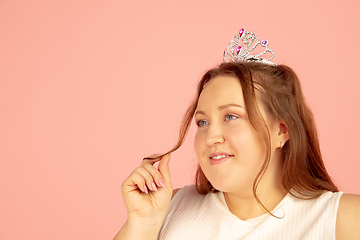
(243, 47)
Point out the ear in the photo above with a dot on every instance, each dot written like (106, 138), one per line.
(283, 134)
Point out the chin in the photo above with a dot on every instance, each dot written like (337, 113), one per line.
(232, 186)
(220, 186)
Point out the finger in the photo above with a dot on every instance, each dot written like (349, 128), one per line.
(152, 159)
(164, 169)
(133, 182)
(149, 179)
(158, 178)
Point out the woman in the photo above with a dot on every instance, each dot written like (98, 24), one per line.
(260, 173)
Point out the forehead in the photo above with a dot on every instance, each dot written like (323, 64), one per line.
(221, 90)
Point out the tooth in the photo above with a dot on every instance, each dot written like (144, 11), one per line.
(219, 156)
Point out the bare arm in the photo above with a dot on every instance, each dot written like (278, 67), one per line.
(348, 218)
(135, 230)
(149, 228)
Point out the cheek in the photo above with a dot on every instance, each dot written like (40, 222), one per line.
(238, 136)
(198, 142)
(246, 143)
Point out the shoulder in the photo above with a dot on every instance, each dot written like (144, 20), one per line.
(189, 189)
(174, 192)
(185, 198)
(348, 217)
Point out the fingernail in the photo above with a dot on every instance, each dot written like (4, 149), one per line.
(161, 182)
(145, 189)
(154, 186)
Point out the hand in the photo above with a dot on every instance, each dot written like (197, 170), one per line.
(147, 191)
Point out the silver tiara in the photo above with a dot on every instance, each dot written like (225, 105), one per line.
(242, 45)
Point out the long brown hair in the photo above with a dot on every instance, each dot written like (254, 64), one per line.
(303, 170)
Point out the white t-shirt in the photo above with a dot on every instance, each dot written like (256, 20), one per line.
(195, 216)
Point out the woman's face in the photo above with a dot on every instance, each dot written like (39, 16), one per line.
(229, 150)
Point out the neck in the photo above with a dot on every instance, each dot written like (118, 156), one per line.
(247, 207)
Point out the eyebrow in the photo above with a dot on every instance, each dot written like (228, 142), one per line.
(222, 107)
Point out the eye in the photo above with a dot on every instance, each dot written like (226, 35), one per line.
(230, 117)
(201, 123)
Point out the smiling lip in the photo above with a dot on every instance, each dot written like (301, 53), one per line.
(219, 157)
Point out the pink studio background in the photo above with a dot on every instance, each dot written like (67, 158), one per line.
(88, 88)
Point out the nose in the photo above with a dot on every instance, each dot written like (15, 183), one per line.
(214, 135)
